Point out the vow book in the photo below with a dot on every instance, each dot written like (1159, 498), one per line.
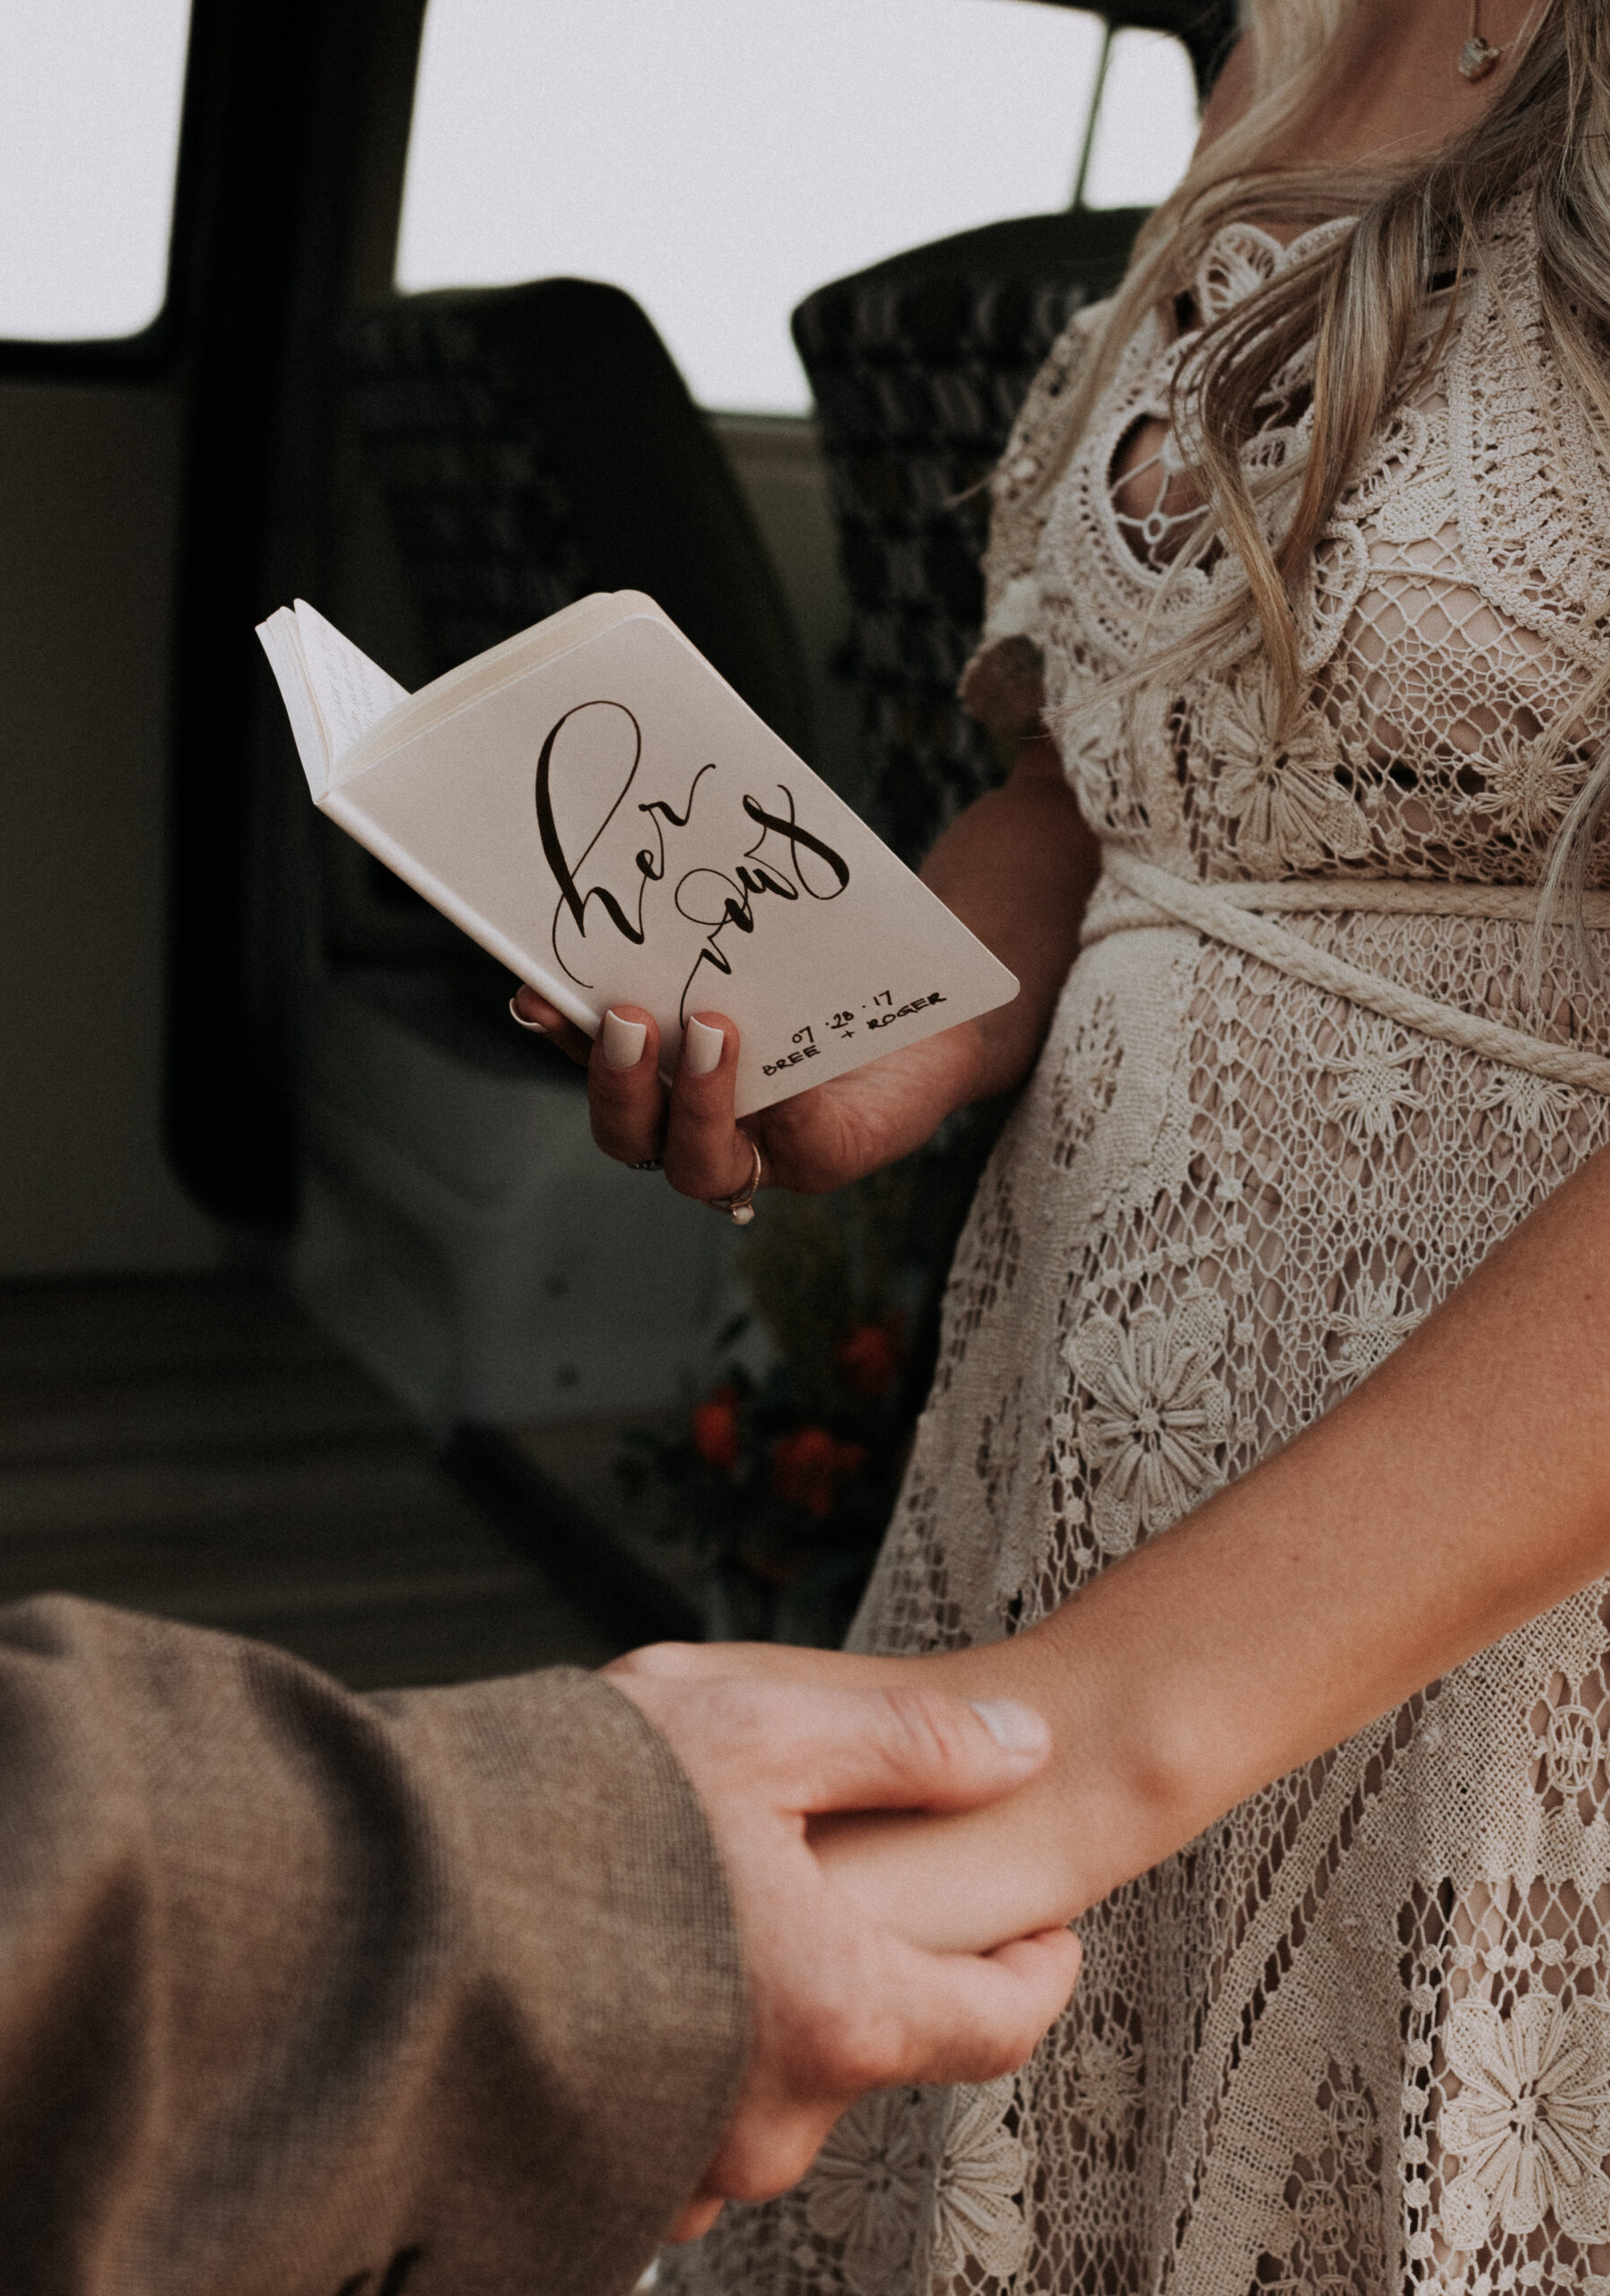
(593, 804)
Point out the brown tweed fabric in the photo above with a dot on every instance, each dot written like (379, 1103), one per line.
(305, 1993)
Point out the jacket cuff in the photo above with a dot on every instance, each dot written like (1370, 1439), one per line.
(606, 1903)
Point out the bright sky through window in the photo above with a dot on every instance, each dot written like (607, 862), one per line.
(1147, 123)
(90, 99)
(720, 158)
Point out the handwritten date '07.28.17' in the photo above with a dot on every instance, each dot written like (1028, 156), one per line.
(880, 1012)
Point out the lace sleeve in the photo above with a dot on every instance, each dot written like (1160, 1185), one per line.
(1001, 685)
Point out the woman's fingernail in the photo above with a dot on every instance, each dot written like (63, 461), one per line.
(1018, 1729)
(701, 1049)
(624, 1041)
(537, 1028)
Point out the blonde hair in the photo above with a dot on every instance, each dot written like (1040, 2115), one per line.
(1364, 301)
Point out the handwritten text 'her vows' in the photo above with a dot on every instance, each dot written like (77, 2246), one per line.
(652, 873)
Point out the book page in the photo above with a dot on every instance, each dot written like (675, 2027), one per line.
(616, 824)
(282, 642)
(350, 692)
(503, 664)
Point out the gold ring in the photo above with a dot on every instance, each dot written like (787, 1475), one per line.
(739, 1207)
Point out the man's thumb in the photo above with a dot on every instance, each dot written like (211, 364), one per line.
(918, 1749)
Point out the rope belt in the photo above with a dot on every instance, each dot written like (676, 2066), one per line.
(1134, 894)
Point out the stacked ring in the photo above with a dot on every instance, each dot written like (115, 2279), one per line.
(739, 1207)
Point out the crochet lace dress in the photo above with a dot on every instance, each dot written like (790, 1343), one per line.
(1356, 2038)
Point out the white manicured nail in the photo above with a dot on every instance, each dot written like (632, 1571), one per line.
(1016, 1727)
(537, 1028)
(701, 1049)
(624, 1041)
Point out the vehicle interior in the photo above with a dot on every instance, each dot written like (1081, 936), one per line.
(321, 1319)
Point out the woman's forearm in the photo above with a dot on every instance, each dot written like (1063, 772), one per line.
(1460, 1490)
(1018, 867)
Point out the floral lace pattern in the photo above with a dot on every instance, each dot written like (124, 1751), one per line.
(1530, 2124)
(1282, 798)
(1357, 2037)
(1156, 1418)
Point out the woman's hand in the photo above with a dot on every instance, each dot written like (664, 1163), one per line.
(817, 1140)
(1016, 868)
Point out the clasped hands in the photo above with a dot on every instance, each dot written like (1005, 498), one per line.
(846, 1996)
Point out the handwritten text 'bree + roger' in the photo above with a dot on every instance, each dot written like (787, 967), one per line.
(880, 1013)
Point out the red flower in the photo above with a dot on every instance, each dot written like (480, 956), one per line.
(871, 1356)
(715, 1428)
(806, 1465)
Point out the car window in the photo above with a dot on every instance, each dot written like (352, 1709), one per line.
(718, 158)
(90, 101)
(1144, 122)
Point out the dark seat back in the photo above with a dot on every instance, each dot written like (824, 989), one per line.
(918, 366)
(533, 443)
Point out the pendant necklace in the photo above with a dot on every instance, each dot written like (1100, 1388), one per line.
(1478, 56)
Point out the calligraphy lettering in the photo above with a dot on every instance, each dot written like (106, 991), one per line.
(650, 862)
(787, 862)
(735, 903)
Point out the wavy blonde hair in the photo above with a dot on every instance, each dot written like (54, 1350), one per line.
(1365, 301)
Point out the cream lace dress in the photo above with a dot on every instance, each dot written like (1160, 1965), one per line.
(1357, 2037)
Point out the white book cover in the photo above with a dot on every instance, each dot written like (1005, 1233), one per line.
(593, 804)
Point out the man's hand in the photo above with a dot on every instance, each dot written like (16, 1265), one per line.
(841, 2006)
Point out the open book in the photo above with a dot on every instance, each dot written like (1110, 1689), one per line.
(593, 804)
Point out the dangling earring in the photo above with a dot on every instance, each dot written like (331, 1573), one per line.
(1478, 56)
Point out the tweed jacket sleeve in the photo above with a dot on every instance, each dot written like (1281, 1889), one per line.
(305, 1993)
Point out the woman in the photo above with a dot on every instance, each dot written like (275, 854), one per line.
(1322, 739)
